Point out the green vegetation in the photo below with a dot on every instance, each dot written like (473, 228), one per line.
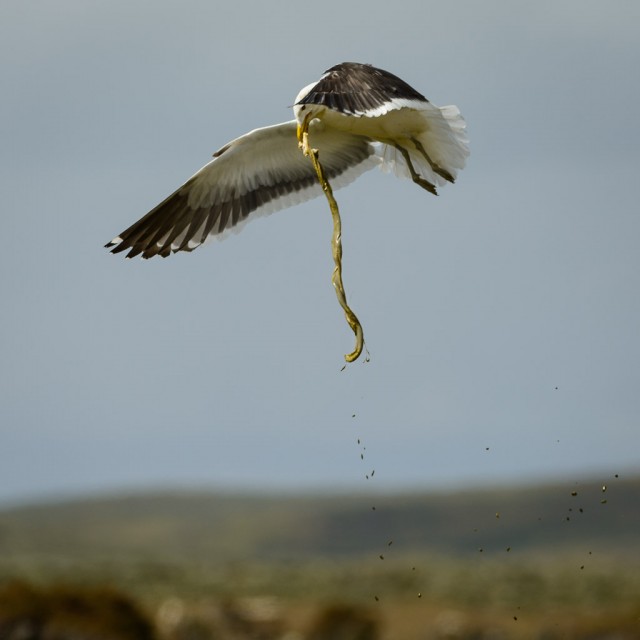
(558, 559)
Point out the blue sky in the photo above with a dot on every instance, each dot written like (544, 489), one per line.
(501, 317)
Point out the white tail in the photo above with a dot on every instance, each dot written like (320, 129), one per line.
(437, 153)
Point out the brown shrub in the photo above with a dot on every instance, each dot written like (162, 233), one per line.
(344, 622)
(64, 612)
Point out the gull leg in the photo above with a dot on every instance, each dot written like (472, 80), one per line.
(415, 176)
(302, 134)
(443, 173)
(336, 242)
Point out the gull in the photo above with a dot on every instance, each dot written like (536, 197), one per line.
(357, 116)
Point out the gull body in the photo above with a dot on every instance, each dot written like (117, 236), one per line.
(359, 117)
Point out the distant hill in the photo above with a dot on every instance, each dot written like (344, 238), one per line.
(544, 558)
(189, 526)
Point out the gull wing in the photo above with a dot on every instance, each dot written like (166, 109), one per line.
(261, 172)
(360, 90)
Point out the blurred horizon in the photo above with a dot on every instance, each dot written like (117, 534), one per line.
(366, 489)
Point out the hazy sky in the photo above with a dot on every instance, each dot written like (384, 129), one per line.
(502, 317)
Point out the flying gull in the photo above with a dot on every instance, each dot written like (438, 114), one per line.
(358, 117)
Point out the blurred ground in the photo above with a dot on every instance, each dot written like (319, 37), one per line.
(553, 561)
